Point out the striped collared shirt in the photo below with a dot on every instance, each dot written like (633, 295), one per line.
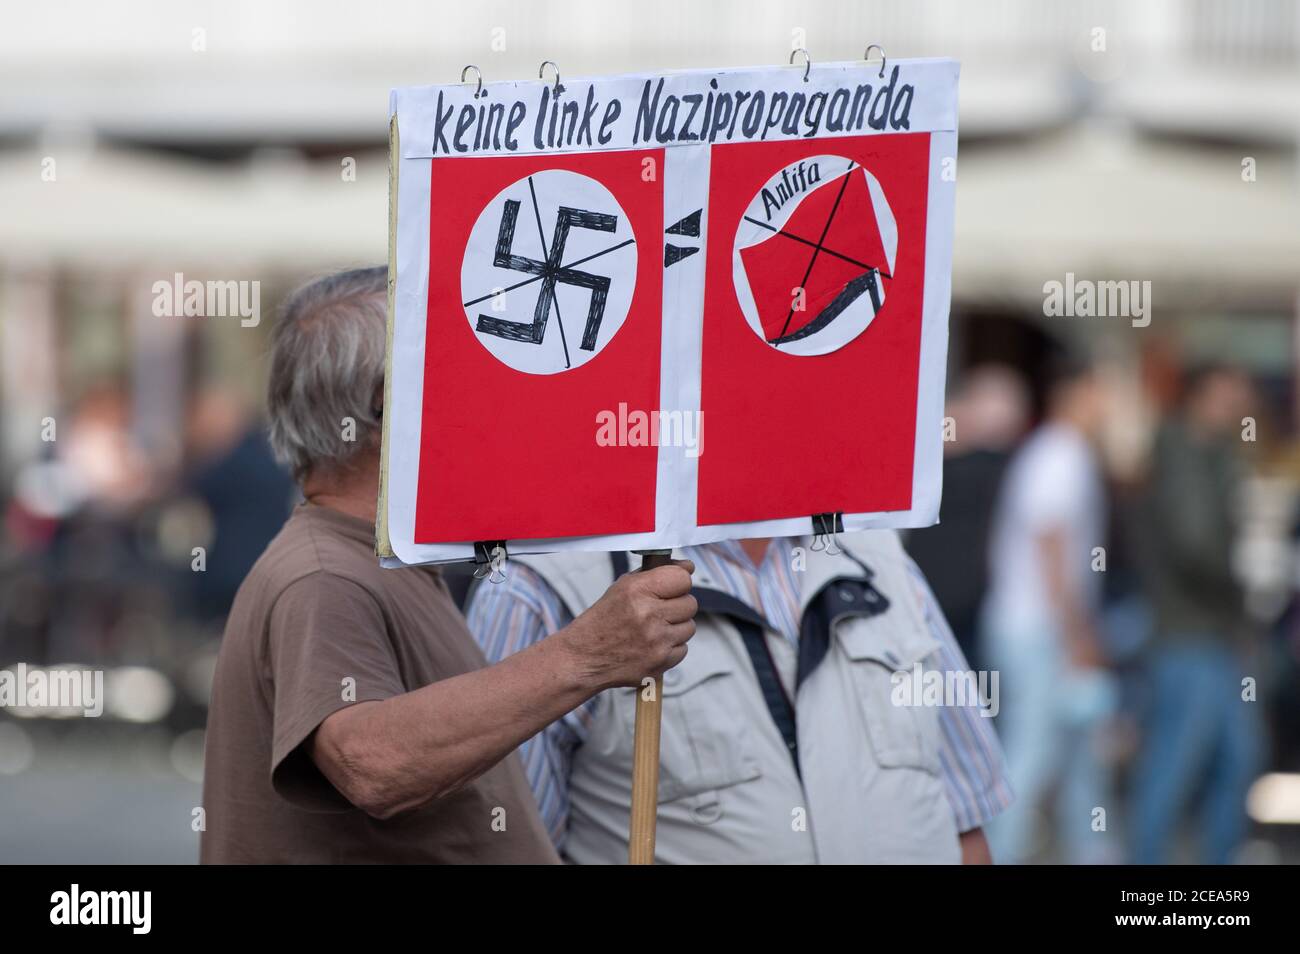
(511, 616)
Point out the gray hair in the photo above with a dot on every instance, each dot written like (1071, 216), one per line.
(327, 363)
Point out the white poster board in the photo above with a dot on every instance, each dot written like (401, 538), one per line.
(650, 311)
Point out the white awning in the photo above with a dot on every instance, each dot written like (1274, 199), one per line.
(1096, 202)
(1109, 205)
(107, 208)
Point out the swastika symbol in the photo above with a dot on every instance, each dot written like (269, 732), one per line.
(549, 272)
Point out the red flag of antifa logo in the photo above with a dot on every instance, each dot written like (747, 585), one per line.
(815, 254)
(812, 327)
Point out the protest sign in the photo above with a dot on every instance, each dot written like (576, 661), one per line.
(648, 311)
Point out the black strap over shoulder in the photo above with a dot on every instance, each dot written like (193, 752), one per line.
(769, 682)
(753, 627)
(840, 596)
(618, 560)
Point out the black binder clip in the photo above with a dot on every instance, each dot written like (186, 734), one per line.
(824, 528)
(489, 556)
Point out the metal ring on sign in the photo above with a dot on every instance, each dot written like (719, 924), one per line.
(491, 570)
(477, 72)
(807, 61)
(825, 543)
(883, 61)
(541, 73)
(498, 557)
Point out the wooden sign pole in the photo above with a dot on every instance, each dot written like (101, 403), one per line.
(645, 754)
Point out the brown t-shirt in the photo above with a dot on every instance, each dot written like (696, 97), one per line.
(315, 627)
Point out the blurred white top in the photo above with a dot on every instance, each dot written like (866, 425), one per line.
(1053, 482)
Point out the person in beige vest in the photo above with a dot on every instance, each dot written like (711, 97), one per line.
(794, 731)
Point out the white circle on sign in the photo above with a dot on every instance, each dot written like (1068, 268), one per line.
(549, 271)
(814, 255)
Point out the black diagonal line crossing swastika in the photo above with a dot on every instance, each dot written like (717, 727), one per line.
(549, 272)
(537, 278)
(548, 290)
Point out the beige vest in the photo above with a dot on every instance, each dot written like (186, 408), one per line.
(871, 790)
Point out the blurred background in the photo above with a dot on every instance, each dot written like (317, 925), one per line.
(1100, 141)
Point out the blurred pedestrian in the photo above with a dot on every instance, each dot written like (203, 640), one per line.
(246, 493)
(1201, 735)
(988, 411)
(1040, 622)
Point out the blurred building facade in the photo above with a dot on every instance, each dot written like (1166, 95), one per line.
(240, 141)
(1110, 140)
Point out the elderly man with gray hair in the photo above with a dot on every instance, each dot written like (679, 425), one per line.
(353, 717)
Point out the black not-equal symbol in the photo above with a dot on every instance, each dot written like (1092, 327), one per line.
(689, 226)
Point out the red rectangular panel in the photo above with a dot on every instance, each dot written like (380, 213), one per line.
(510, 455)
(792, 435)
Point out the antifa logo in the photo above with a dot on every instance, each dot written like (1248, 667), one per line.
(815, 251)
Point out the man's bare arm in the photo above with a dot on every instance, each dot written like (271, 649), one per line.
(1078, 629)
(391, 756)
(975, 848)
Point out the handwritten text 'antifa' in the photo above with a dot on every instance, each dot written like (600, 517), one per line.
(706, 116)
